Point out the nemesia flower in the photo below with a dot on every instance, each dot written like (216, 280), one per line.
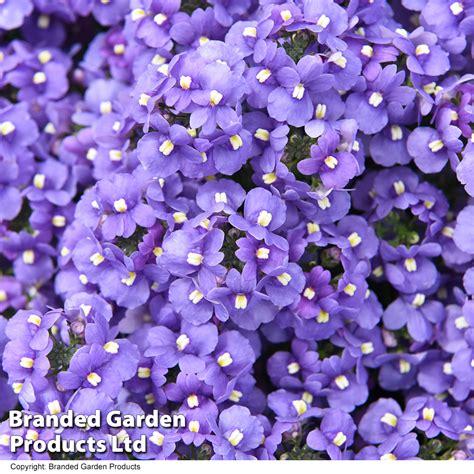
(239, 211)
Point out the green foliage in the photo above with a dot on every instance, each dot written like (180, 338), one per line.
(189, 6)
(327, 349)
(230, 247)
(204, 452)
(298, 148)
(22, 220)
(130, 244)
(303, 453)
(440, 448)
(61, 354)
(294, 448)
(297, 44)
(398, 229)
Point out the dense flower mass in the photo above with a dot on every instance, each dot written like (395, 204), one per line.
(257, 213)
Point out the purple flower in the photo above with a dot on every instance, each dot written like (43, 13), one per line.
(153, 28)
(189, 252)
(232, 357)
(236, 433)
(335, 434)
(381, 420)
(416, 313)
(263, 214)
(394, 448)
(116, 207)
(336, 168)
(425, 57)
(94, 367)
(370, 107)
(247, 307)
(409, 269)
(17, 130)
(162, 154)
(188, 347)
(31, 327)
(433, 416)
(235, 210)
(13, 13)
(291, 101)
(344, 389)
(260, 256)
(284, 285)
(325, 18)
(431, 149)
(220, 89)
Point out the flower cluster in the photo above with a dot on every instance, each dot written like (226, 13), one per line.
(255, 213)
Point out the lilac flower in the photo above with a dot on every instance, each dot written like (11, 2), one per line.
(370, 107)
(445, 18)
(230, 150)
(291, 101)
(433, 416)
(162, 444)
(197, 405)
(12, 16)
(432, 149)
(30, 255)
(125, 354)
(395, 188)
(425, 57)
(211, 209)
(417, 313)
(270, 138)
(285, 368)
(318, 295)
(249, 37)
(195, 30)
(335, 434)
(232, 357)
(32, 327)
(185, 253)
(91, 367)
(355, 238)
(23, 364)
(262, 257)
(86, 402)
(263, 214)
(327, 19)
(247, 307)
(118, 207)
(263, 79)
(329, 108)
(237, 432)
(188, 347)
(162, 154)
(154, 27)
(336, 168)
(125, 282)
(409, 269)
(284, 285)
(220, 89)
(381, 420)
(397, 370)
(343, 388)
(10, 294)
(106, 13)
(17, 129)
(463, 230)
(291, 407)
(190, 299)
(394, 448)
